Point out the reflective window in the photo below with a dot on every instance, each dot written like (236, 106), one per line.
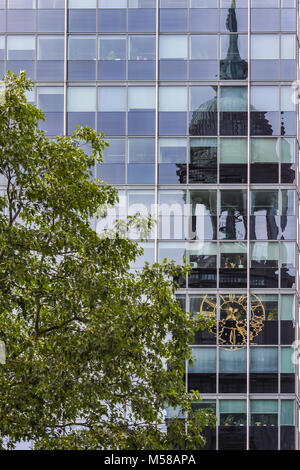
(264, 215)
(233, 215)
(112, 110)
(203, 110)
(50, 99)
(203, 20)
(233, 109)
(82, 48)
(82, 4)
(172, 110)
(51, 20)
(20, 20)
(204, 360)
(50, 48)
(112, 3)
(233, 160)
(264, 19)
(264, 413)
(263, 360)
(81, 99)
(116, 151)
(141, 114)
(172, 20)
(13, 4)
(203, 224)
(264, 110)
(51, 4)
(203, 161)
(203, 57)
(20, 48)
(82, 20)
(172, 161)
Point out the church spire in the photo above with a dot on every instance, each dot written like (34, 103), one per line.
(233, 67)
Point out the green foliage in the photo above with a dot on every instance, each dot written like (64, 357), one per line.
(87, 340)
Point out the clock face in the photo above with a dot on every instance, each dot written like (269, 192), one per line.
(233, 318)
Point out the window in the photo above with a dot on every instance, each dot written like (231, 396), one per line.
(142, 48)
(112, 3)
(173, 47)
(233, 160)
(50, 48)
(112, 99)
(141, 98)
(203, 111)
(264, 46)
(203, 47)
(203, 361)
(81, 99)
(20, 20)
(263, 360)
(82, 4)
(203, 161)
(13, 4)
(287, 414)
(112, 48)
(203, 215)
(82, 48)
(20, 48)
(233, 413)
(51, 20)
(233, 361)
(115, 153)
(264, 412)
(51, 4)
(50, 99)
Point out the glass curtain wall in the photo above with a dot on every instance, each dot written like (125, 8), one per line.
(196, 100)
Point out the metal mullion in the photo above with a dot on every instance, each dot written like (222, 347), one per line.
(65, 66)
(156, 129)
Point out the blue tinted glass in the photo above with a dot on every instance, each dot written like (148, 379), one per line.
(51, 3)
(141, 122)
(51, 99)
(172, 123)
(141, 151)
(80, 119)
(141, 20)
(51, 48)
(265, 69)
(139, 173)
(264, 20)
(288, 70)
(288, 123)
(50, 70)
(288, 20)
(51, 20)
(112, 70)
(112, 20)
(16, 66)
(115, 153)
(81, 70)
(2, 21)
(203, 20)
(54, 124)
(172, 69)
(82, 21)
(1, 69)
(141, 70)
(203, 70)
(173, 20)
(112, 174)
(20, 4)
(112, 123)
(20, 21)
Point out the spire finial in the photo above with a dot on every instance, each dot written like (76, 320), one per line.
(233, 4)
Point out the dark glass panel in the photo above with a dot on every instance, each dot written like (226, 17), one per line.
(50, 70)
(203, 278)
(263, 383)
(172, 173)
(233, 123)
(82, 21)
(113, 123)
(141, 173)
(51, 21)
(231, 173)
(80, 119)
(20, 21)
(203, 69)
(233, 278)
(173, 20)
(233, 221)
(287, 438)
(54, 124)
(203, 161)
(288, 173)
(232, 383)
(210, 436)
(112, 173)
(141, 20)
(264, 173)
(288, 332)
(141, 70)
(268, 333)
(112, 69)
(81, 70)
(264, 437)
(172, 123)
(203, 20)
(204, 383)
(288, 278)
(287, 383)
(141, 122)
(112, 21)
(264, 123)
(203, 111)
(172, 69)
(232, 437)
(263, 278)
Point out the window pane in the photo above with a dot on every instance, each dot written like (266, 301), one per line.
(233, 151)
(112, 3)
(204, 360)
(288, 47)
(82, 48)
(51, 21)
(204, 47)
(286, 361)
(141, 151)
(287, 413)
(112, 48)
(172, 99)
(112, 99)
(82, 3)
(265, 150)
(263, 360)
(20, 48)
(141, 98)
(81, 99)
(21, 4)
(233, 361)
(173, 47)
(265, 254)
(50, 99)
(265, 98)
(20, 20)
(141, 48)
(203, 110)
(52, 3)
(264, 46)
(50, 48)
(115, 153)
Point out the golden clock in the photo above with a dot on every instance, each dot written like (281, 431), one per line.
(232, 325)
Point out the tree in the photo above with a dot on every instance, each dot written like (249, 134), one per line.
(87, 340)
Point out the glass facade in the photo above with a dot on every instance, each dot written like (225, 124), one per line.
(196, 100)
